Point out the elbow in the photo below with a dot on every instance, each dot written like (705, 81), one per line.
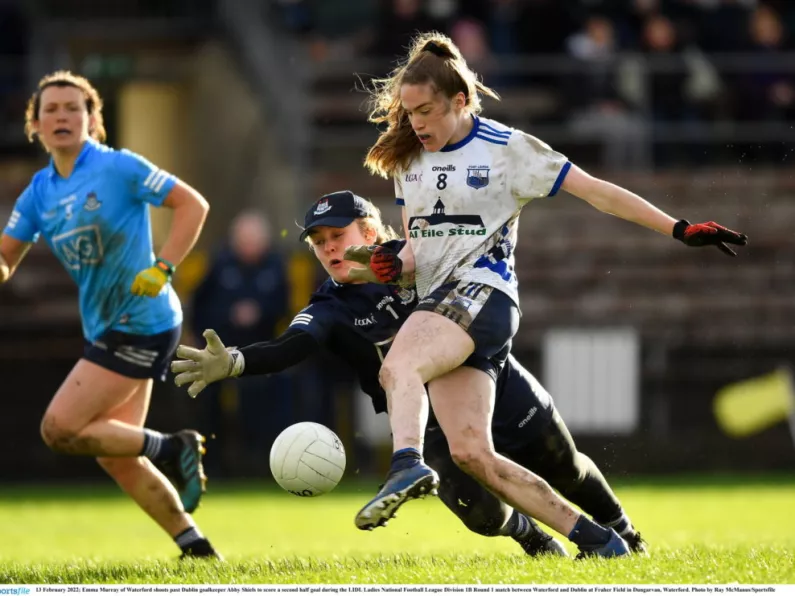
(596, 194)
(199, 208)
(5, 271)
(200, 205)
(601, 203)
(203, 204)
(188, 201)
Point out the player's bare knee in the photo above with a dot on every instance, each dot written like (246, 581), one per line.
(393, 372)
(58, 436)
(472, 457)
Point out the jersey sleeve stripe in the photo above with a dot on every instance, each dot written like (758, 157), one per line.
(492, 135)
(156, 180)
(491, 130)
(400, 201)
(490, 139)
(559, 180)
(163, 180)
(150, 176)
(301, 319)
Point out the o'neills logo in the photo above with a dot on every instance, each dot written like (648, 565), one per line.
(449, 168)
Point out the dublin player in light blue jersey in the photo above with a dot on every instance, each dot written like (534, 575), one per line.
(91, 206)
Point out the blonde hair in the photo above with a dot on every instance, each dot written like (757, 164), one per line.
(64, 78)
(432, 58)
(383, 232)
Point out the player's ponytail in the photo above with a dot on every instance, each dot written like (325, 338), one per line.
(433, 58)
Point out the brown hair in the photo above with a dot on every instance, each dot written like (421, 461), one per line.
(432, 58)
(64, 78)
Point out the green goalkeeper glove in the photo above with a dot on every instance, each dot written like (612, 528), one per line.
(202, 367)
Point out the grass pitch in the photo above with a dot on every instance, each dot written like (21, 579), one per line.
(717, 530)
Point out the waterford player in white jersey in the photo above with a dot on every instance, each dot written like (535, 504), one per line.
(91, 206)
(462, 181)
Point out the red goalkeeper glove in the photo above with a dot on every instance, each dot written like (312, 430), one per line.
(383, 262)
(708, 234)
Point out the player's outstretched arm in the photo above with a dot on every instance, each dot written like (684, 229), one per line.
(190, 211)
(217, 362)
(12, 251)
(613, 199)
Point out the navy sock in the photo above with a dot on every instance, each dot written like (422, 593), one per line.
(622, 525)
(587, 533)
(519, 526)
(522, 528)
(192, 542)
(158, 446)
(405, 458)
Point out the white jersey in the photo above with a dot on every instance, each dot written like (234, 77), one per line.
(463, 204)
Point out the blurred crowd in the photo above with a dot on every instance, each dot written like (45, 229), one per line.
(608, 64)
(579, 27)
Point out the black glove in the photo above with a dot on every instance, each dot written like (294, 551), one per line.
(708, 234)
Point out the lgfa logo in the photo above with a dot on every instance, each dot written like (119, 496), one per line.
(322, 207)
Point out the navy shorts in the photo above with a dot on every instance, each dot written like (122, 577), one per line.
(489, 316)
(522, 409)
(135, 356)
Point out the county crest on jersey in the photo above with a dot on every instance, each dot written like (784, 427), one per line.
(463, 202)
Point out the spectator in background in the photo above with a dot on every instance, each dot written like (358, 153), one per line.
(470, 37)
(501, 18)
(682, 87)
(245, 296)
(597, 96)
(767, 94)
(668, 101)
(400, 21)
(722, 24)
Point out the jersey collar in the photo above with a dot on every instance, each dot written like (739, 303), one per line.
(88, 148)
(466, 139)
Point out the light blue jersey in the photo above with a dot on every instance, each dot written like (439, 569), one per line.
(97, 224)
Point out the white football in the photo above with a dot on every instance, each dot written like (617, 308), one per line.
(307, 459)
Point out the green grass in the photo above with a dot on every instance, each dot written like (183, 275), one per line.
(718, 530)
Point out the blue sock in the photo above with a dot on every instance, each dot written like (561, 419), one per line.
(405, 458)
(587, 533)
